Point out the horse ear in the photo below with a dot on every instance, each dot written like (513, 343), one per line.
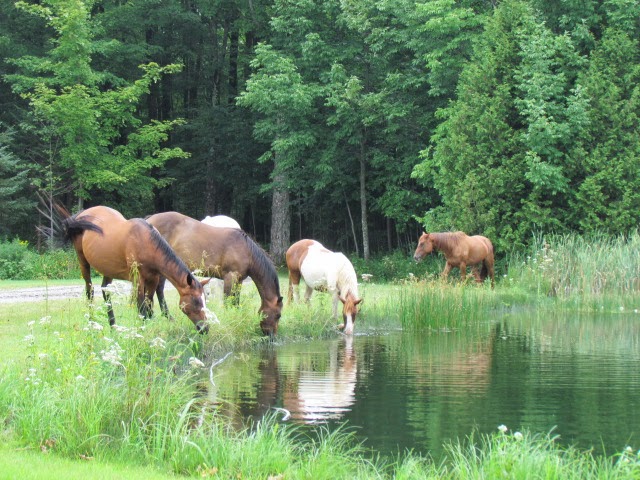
(205, 281)
(190, 279)
(279, 300)
(358, 301)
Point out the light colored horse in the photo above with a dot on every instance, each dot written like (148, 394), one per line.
(460, 250)
(322, 268)
(221, 221)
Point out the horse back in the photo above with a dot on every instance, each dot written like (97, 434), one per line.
(108, 251)
(297, 253)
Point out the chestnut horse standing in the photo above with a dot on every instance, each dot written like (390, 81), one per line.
(459, 250)
(131, 250)
(226, 253)
(320, 267)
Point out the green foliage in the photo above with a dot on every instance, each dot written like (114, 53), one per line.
(19, 262)
(103, 143)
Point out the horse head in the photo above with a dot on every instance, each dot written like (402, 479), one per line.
(192, 303)
(424, 248)
(349, 311)
(271, 311)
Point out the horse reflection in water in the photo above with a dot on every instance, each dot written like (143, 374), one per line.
(327, 395)
(301, 393)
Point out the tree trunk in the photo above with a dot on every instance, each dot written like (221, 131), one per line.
(363, 202)
(280, 219)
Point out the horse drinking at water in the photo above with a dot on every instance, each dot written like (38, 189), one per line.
(319, 268)
(128, 250)
(226, 253)
(459, 250)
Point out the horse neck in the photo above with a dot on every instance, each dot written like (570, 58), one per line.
(347, 281)
(443, 241)
(264, 276)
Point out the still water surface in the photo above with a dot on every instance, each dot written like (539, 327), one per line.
(577, 375)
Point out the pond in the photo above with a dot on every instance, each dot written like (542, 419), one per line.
(577, 376)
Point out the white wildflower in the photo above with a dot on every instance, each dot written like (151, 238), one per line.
(158, 343)
(195, 363)
(113, 355)
(79, 378)
(518, 436)
(43, 356)
(45, 320)
(31, 323)
(29, 339)
(502, 428)
(91, 325)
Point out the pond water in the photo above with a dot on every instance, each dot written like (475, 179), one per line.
(576, 375)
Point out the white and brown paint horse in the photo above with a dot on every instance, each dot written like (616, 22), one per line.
(322, 268)
(460, 250)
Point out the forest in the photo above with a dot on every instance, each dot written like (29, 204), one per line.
(357, 123)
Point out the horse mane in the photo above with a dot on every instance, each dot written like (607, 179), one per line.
(161, 244)
(347, 277)
(448, 240)
(262, 263)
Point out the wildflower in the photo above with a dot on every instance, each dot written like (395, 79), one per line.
(366, 277)
(120, 328)
(93, 326)
(113, 355)
(42, 356)
(29, 339)
(622, 309)
(518, 436)
(502, 428)
(79, 378)
(158, 343)
(31, 323)
(45, 320)
(195, 363)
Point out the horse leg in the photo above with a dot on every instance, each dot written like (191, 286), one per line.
(445, 272)
(307, 294)
(146, 289)
(107, 299)
(232, 288)
(85, 269)
(336, 299)
(463, 271)
(294, 284)
(161, 300)
(477, 274)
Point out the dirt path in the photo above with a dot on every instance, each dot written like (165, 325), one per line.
(57, 292)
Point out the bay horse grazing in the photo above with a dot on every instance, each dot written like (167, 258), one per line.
(322, 268)
(225, 253)
(221, 221)
(460, 250)
(131, 250)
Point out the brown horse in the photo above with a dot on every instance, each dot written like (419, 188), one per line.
(132, 250)
(322, 268)
(459, 250)
(226, 253)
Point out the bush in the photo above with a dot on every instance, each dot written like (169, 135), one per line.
(19, 262)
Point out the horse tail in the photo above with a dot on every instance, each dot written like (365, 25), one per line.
(63, 227)
(73, 226)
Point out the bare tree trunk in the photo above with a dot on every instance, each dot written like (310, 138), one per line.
(353, 227)
(280, 219)
(363, 202)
